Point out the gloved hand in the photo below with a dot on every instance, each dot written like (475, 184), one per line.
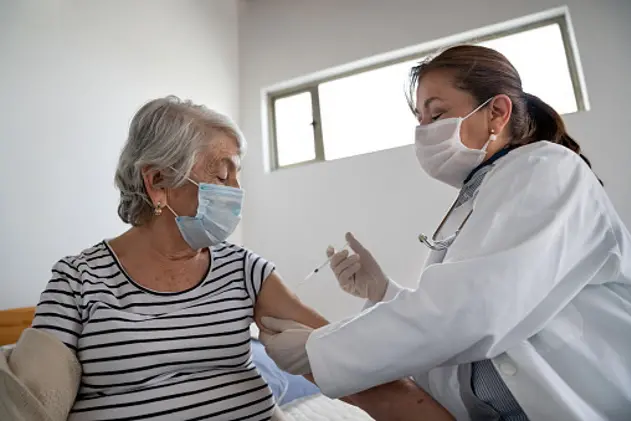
(359, 274)
(285, 342)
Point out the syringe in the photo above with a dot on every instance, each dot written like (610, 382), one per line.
(316, 270)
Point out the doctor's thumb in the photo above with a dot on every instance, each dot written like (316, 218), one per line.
(355, 245)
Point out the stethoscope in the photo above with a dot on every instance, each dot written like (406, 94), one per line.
(440, 245)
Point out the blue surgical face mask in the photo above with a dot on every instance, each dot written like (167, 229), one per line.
(218, 214)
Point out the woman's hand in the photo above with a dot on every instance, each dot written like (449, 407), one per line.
(359, 274)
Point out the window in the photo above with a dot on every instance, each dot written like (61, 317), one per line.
(295, 137)
(364, 110)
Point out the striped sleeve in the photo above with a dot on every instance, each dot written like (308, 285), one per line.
(58, 309)
(257, 270)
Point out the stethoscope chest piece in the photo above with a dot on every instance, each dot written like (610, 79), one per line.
(463, 206)
(440, 245)
(437, 245)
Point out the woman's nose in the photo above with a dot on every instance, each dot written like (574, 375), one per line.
(235, 183)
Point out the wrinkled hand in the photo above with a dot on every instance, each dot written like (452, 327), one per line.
(358, 274)
(285, 342)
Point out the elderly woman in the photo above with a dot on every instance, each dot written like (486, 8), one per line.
(158, 318)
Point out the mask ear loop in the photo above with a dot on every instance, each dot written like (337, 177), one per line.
(478, 108)
(492, 137)
(169, 207)
(166, 205)
(187, 178)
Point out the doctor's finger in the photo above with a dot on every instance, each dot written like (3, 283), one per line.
(355, 245)
(265, 338)
(347, 274)
(338, 258)
(348, 287)
(344, 264)
(330, 251)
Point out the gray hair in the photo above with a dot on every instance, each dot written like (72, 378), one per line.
(166, 135)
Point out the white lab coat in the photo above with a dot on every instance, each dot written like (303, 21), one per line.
(538, 280)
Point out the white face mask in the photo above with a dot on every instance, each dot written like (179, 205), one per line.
(441, 152)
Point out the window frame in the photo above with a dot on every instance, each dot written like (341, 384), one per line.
(310, 85)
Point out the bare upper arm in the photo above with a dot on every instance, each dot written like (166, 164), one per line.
(276, 300)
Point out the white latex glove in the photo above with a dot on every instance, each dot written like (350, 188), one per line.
(285, 342)
(358, 274)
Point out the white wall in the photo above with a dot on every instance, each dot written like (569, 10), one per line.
(72, 74)
(292, 215)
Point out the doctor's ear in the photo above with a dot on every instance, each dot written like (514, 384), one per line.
(500, 109)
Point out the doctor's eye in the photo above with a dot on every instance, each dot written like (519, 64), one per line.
(437, 116)
(222, 180)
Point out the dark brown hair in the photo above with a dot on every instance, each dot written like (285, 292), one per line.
(485, 73)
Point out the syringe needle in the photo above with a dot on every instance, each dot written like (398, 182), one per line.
(309, 276)
(326, 262)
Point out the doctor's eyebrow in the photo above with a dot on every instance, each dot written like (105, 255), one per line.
(426, 105)
(428, 101)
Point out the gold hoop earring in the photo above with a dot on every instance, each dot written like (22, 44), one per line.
(157, 211)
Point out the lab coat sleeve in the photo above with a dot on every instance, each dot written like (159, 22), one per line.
(392, 291)
(501, 281)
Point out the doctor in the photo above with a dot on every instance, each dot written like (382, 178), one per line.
(523, 311)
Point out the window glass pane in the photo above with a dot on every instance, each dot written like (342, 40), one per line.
(366, 112)
(539, 57)
(294, 131)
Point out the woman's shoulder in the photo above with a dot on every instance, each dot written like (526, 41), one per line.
(232, 251)
(226, 247)
(91, 260)
(228, 258)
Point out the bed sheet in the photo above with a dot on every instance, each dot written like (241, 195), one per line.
(321, 408)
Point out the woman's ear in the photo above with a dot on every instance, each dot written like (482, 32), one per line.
(152, 179)
(501, 108)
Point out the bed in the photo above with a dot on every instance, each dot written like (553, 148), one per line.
(319, 407)
(299, 399)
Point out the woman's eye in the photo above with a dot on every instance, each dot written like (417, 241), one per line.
(222, 179)
(436, 116)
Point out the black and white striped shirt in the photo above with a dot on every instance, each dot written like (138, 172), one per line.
(157, 356)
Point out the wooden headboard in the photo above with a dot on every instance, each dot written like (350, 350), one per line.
(13, 322)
